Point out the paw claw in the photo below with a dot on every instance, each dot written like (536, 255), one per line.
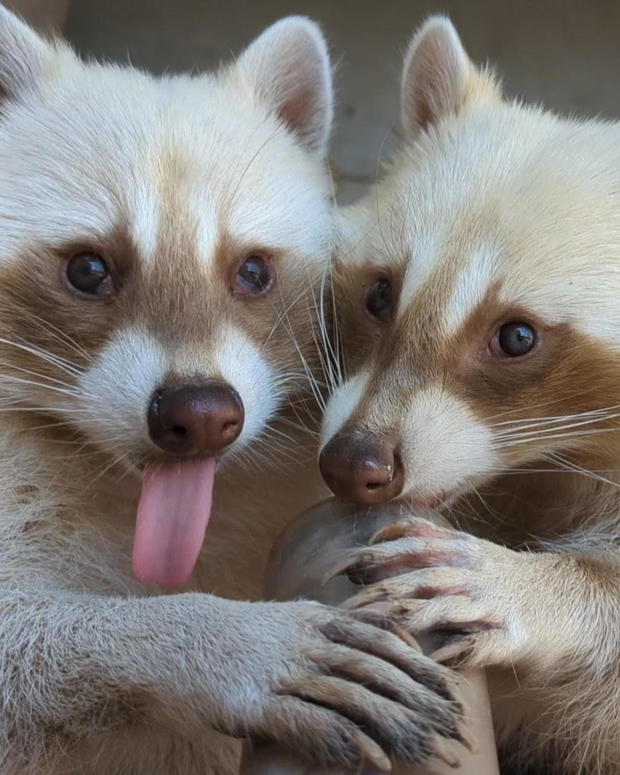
(458, 649)
(340, 569)
(407, 638)
(442, 749)
(373, 753)
(365, 598)
(416, 528)
(388, 533)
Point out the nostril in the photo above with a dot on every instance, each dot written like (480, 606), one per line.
(363, 467)
(376, 475)
(193, 419)
(156, 402)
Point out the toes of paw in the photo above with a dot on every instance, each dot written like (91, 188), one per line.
(442, 566)
(406, 547)
(423, 584)
(340, 723)
(457, 612)
(423, 686)
(321, 735)
(349, 629)
(377, 616)
(390, 666)
(398, 731)
(454, 650)
(395, 589)
(417, 738)
(480, 645)
(369, 630)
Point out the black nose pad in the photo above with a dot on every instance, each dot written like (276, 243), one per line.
(362, 468)
(195, 419)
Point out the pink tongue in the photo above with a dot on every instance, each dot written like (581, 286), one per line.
(174, 509)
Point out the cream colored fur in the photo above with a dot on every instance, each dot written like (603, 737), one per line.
(89, 665)
(492, 208)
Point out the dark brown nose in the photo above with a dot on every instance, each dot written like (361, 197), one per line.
(362, 468)
(198, 419)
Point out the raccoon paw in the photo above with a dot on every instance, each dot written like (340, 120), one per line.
(453, 588)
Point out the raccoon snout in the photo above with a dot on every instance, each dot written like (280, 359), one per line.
(362, 468)
(195, 419)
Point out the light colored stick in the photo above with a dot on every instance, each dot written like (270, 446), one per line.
(307, 551)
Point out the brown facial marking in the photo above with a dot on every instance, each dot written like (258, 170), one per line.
(404, 352)
(359, 332)
(38, 310)
(566, 373)
(179, 295)
(190, 296)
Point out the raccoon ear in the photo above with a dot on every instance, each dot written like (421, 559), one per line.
(288, 69)
(22, 53)
(438, 76)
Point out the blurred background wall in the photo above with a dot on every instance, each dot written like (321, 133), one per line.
(565, 53)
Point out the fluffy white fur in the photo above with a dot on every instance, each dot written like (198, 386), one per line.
(134, 363)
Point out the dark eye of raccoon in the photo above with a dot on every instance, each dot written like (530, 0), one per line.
(88, 273)
(378, 299)
(254, 276)
(514, 339)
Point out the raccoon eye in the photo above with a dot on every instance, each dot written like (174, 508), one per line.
(254, 276)
(89, 274)
(378, 299)
(514, 339)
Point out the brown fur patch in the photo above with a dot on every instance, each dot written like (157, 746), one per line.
(567, 373)
(360, 334)
(180, 297)
(43, 317)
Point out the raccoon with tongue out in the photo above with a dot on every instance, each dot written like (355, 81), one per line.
(163, 244)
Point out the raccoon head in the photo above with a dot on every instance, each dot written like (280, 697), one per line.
(162, 246)
(477, 289)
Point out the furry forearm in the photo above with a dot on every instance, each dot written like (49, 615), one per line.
(78, 665)
(73, 667)
(574, 610)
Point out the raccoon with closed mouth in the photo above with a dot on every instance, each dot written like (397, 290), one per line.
(478, 290)
(162, 245)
